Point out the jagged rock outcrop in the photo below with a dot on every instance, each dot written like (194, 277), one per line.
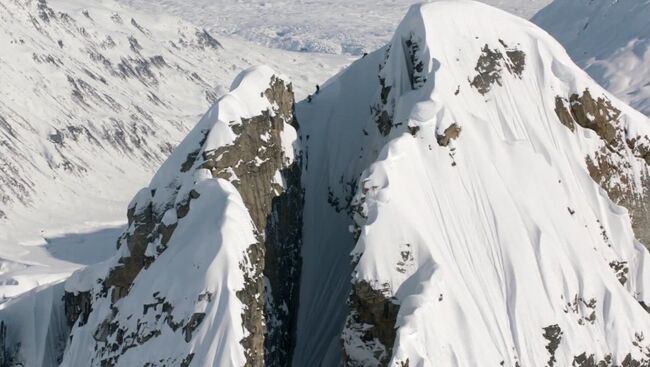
(621, 166)
(242, 163)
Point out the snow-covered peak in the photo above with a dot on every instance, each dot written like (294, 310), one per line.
(206, 272)
(501, 211)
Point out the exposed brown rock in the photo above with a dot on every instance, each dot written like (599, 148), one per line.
(191, 325)
(450, 133)
(77, 306)
(122, 276)
(609, 166)
(382, 109)
(517, 62)
(251, 163)
(621, 269)
(641, 147)
(252, 299)
(598, 115)
(415, 65)
(619, 185)
(553, 334)
(384, 123)
(564, 114)
(490, 64)
(376, 314)
(489, 70)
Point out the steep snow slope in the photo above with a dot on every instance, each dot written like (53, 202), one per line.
(486, 220)
(94, 97)
(38, 320)
(332, 26)
(608, 38)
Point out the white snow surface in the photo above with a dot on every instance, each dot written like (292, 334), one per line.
(475, 241)
(610, 39)
(329, 26)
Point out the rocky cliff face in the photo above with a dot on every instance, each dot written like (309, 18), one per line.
(256, 156)
(620, 166)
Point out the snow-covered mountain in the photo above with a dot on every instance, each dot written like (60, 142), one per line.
(464, 196)
(94, 97)
(608, 38)
(93, 91)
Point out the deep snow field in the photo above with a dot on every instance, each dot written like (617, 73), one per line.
(328, 26)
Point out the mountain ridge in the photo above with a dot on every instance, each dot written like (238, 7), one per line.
(465, 195)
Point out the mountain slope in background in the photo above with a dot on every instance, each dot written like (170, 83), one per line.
(94, 98)
(331, 26)
(464, 196)
(109, 93)
(496, 176)
(610, 39)
(205, 269)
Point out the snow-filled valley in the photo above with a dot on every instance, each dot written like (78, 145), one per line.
(331, 26)
(93, 99)
(450, 189)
